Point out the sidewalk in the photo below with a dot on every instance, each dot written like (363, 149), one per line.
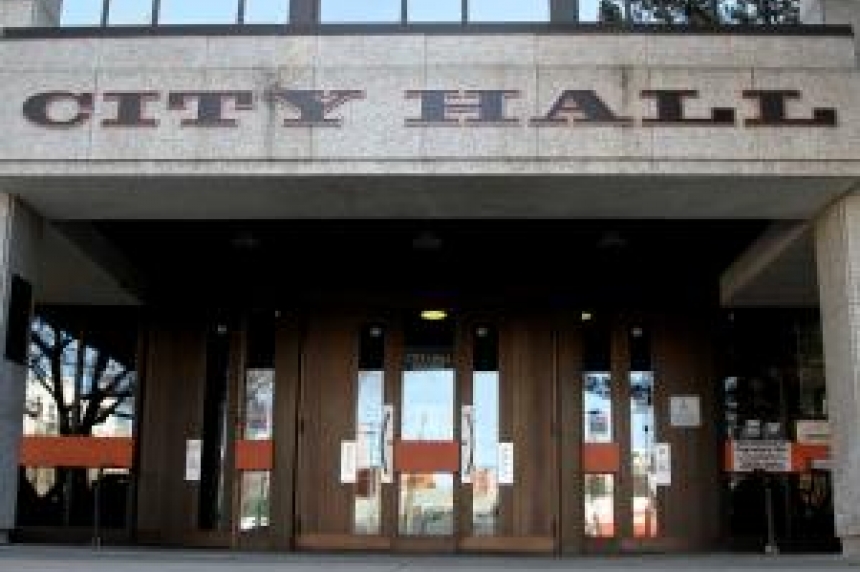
(17, 558)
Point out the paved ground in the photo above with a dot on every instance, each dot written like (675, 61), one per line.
(56, 559)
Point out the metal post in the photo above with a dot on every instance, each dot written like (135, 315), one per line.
(97, 540)
(770, 547)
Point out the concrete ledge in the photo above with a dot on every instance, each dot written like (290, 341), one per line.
(851, 548)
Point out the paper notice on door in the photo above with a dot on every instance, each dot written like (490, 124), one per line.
(506, 463)
(193, 455)
(348, 464)
(662, 464)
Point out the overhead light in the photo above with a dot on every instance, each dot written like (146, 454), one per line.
(433, 315)
(427, 241)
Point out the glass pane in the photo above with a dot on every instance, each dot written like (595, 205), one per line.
(508, 10)
(81, 13)
(597, 407)
(642, 449)
(267, 11)
(198, 11)
(254, 500)
(101, 346)
(434, 10)
(485, 484)
(428, 382)
(426, 504)
(128, 12)
(601, 11)
(428, 405)
(259, 394)
(368, 497)
(599, 506)
(589, 10)
(344, 11)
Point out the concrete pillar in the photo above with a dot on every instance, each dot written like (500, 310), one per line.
(837, 238)
(20, 236)
(833, 12)
(30, 13)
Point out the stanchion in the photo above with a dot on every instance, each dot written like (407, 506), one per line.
(770, 547)
(97, 539)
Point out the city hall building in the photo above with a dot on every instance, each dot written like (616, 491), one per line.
(454, 276)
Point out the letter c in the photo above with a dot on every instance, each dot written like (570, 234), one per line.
(37, 106)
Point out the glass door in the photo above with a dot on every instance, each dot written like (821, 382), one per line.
(428, 433)
(426, 452)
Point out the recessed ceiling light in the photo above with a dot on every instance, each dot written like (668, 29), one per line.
(433, 315)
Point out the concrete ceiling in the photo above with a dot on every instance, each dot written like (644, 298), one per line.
(78, 268)
(268, 197)
(777, 270)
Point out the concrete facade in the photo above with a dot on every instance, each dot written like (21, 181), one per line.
(166, 168)
(20, 230)
(838, 252)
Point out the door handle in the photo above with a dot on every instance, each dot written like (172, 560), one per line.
(467, 443)
(386, 444)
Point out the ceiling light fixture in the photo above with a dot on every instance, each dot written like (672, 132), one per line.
(433, 315)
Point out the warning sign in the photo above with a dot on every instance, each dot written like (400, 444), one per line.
(768, 456)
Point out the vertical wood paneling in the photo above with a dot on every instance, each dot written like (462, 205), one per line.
(685, 366)
(283, 481)
(527, 365)
(175, 367)
(571, 525)
(328, 417)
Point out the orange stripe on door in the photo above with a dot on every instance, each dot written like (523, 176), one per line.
(77, 451)
(427, 456)
(254, 455)
(601, 458)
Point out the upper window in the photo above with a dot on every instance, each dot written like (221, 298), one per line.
(231, 12)
(198, 12)
(140, 12)
(373, 11)
(508, 10)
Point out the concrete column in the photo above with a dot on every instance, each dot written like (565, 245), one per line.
(20, 236)
(30, 13)
(837, 238)
(832, 12)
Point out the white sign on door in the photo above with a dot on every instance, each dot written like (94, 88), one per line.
(685, 411)
(768, 456)
(506, 463)
(348, 461)
(193, 455)
(662, 464)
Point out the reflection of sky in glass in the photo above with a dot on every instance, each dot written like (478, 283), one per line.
(428, 405)
(126, 12)
(88, 12)
(434, 10)
(641, 410)
(598, 403)
(370, 402)
(267, 11)
(259, 393)
(81, 12)
(334, 11)
(486, 402)
(198, 11)
(508, 10)
(588, 11)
